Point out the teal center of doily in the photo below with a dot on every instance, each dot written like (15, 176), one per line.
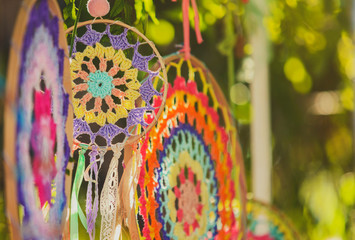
(100, 84)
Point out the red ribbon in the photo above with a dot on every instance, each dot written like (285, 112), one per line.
(186, 26)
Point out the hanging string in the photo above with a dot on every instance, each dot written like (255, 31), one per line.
(186, 26)
(108, 196)
(92, 207)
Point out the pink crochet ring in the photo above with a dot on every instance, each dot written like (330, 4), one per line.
(98, 8)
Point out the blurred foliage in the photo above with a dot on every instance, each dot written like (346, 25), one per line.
(69, 12)
(330, 201)
(311, 52)
(145, 8)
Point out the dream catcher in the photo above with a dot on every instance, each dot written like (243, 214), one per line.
(191, 182)
(267, 223)
(191, 185)
(113, 88)
(36, 146)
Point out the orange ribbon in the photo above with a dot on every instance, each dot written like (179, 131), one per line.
(185, 15)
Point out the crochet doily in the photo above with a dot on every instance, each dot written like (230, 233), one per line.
(111, 86)
(113, 90)
(108, 204)
(267, 223)
(42, 149)
(188, 180)
(187, 188)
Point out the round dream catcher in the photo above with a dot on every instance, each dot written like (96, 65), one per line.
(113, 84)
(191, 185)
(36, 114)
(113, 89)
(267, 223)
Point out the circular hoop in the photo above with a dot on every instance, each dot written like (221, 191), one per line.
(133, 139)
(10, 118)
(187, 113)
(274, 216)
(176, 57)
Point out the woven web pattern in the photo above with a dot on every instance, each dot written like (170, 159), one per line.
(187, 176)
(266, 222)
(42, 149)
(111, 87)
(113, 93)
(187, 108)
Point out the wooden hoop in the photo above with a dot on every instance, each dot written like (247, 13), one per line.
(280, 215)
(223, 102)
(133, 139)
(10, 119)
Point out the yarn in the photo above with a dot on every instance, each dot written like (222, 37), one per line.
(187, 191)
(267, 223)
(113, 90)
(42, 149)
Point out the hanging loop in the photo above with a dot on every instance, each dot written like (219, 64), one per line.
(186, 26)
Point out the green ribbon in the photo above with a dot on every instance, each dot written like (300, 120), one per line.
(75, 209)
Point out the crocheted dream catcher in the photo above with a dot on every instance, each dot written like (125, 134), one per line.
(113, 89)
(191, 182)
(36, 146)
(267, 223)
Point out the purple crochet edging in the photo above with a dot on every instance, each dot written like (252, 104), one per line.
(147, 91)
(162, 155)
(40, 16)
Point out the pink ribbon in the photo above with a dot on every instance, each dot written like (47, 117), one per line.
(185, 15)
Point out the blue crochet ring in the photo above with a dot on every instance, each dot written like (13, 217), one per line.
(100, 84)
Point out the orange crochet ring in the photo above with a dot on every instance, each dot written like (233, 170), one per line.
(191, 154)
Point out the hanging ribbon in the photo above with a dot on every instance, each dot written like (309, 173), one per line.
(75, 209)
(108, 203)
(92, 207)
(186, 26)
(127, 191)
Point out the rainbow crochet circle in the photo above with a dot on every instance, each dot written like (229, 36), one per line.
(187, 195)
(267, 223)
(186, 187)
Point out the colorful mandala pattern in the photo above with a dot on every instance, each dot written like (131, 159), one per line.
(42, 147)
(187, 191)
(113, 93)
(188, 180)
(267, 223)
(99, 85)
(107, 86)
